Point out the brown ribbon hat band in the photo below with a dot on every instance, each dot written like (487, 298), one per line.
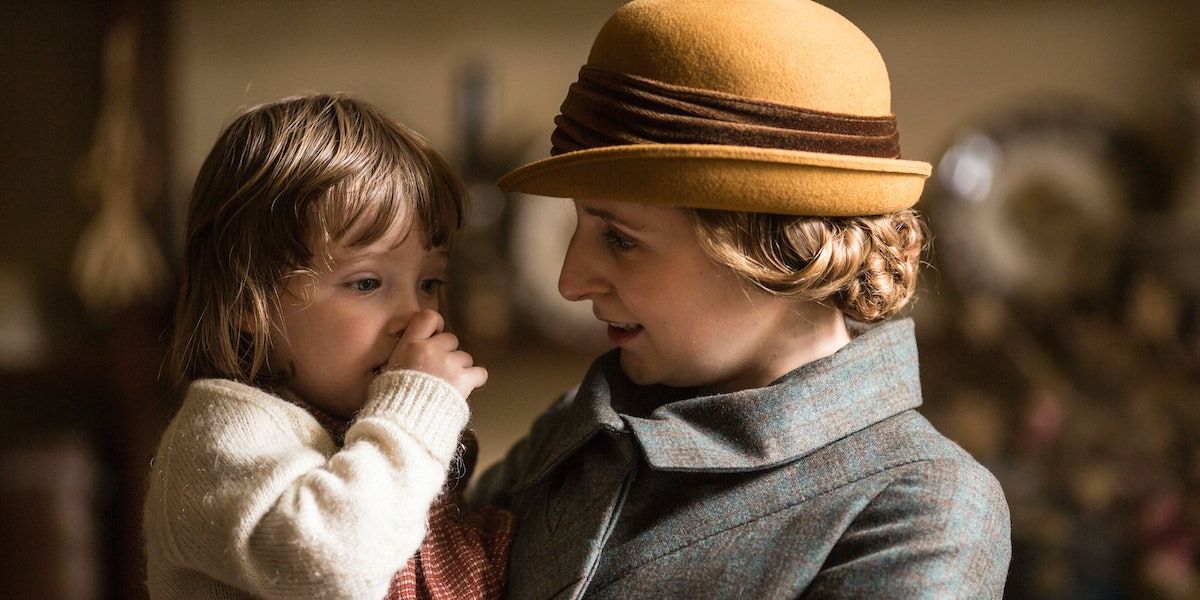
(614, 109)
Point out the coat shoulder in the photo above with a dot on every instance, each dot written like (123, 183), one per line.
(937, 521)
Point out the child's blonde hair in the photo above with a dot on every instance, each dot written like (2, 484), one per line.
(283, 184)
(864, 266)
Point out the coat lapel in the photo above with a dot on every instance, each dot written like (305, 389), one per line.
(570, 498)
(872, 378)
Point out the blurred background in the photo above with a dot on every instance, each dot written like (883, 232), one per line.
(1058, 319)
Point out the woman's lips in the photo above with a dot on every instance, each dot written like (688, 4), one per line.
(623, 333)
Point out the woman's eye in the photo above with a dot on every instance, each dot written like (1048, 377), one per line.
(618, 241)
(430, 287)
(365, 285)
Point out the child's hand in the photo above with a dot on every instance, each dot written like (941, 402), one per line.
(425, 347)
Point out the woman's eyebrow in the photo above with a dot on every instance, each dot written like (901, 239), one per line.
(609, 216)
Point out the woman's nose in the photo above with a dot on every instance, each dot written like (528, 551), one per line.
(579, 278)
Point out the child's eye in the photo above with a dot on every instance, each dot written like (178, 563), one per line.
(430, 287)
(617, 240)
(365, 285)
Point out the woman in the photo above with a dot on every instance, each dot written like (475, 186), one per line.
(743, 215)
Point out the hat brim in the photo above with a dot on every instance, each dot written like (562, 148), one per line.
(728, 178)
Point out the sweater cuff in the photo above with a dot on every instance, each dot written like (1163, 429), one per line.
(427, 406)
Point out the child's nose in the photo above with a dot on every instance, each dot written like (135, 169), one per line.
(579, 278)
(403, 310)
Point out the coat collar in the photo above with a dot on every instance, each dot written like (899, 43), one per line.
(872, 378)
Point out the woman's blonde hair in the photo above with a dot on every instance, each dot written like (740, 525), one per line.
(864, 266)
(283, 184)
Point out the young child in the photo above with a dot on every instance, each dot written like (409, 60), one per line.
(744, 231)
(325, 401)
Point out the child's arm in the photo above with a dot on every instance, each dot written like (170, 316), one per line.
(248, 489)
(251, 491)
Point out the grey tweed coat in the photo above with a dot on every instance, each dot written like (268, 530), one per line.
(825, 484)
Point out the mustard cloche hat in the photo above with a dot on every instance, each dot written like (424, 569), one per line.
(778, 106)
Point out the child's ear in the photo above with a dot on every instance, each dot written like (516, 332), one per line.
(249, 320)
(246, 321)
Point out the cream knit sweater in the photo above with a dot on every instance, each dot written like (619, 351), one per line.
(250, 497)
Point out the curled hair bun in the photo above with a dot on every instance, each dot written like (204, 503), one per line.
(864, 266)
(887, 275)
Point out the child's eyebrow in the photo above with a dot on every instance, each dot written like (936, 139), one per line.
(351, 256)
(609, 216)
(357, 257)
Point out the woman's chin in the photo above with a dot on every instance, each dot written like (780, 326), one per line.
(634, 369)
(640, 372)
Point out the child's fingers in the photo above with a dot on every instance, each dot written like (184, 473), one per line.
(423, 325)
(461, 359)
(444, 341)
(475, 377)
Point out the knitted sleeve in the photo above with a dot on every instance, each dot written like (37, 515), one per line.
(248, 490)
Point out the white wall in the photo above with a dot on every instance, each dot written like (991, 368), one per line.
(950, 61)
